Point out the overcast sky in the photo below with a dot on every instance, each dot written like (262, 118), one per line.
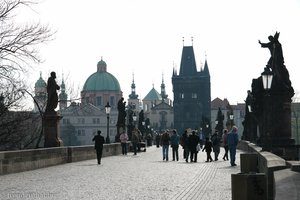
(144, 37)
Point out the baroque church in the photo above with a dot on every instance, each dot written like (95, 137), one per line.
(80, 121)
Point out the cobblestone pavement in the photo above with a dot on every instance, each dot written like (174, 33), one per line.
(145, 176)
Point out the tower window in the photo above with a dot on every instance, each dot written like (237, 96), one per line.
(181, 95)
(194, 95)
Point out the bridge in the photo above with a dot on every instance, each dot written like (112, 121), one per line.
(145, 176)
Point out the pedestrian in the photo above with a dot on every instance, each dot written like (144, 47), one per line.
(225, 145)
(135, 140)
(183, 143)
(208, 148)
(165, 142)
(175, 144)
(201, 138)
(215, 139)
(232, 141)
(157, 140)
(123, 140)
(99, 141)
(193, 142)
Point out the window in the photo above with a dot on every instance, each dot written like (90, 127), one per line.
(96, 120)
(81, 120)
(181, 95)
(66, 121)
(194, 95)
(98, 101)
(112, 101)
(81, 132)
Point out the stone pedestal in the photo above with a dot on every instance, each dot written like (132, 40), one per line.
(51, 129)
(249, 186)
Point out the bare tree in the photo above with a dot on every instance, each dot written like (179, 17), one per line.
(18, 50)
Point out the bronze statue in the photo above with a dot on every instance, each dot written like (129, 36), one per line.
(52, 86)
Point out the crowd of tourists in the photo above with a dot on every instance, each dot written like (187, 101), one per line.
(191, 141)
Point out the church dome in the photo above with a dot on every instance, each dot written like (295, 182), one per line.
(101, 80)
(40, 83)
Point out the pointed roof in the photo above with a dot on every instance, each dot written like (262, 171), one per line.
(206, 70)
(188, 62)
(152, 95)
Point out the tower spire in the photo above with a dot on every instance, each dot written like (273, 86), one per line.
(163, 89)
(133, 95)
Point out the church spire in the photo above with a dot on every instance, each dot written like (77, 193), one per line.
(133, 95)
(63, 97)
(163, 89)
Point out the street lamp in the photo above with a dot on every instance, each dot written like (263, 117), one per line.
(134, 118)
(231, 120)
(107, 111)
(249, 108)
(267, 77)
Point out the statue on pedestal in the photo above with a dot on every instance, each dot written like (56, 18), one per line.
(51, 118)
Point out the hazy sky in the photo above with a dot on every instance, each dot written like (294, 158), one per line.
(144, 37)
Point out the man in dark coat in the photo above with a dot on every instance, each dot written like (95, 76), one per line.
(193, 142)
(99, 141)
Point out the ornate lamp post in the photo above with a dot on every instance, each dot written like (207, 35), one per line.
(143, 131)
(134, 119)
(231, 120)
(107, 111)
(267, 77)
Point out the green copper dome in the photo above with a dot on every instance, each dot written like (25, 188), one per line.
(153, 95)
(101, 81)
(40, 83)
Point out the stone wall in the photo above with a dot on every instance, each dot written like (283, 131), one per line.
(24, 160)
(268, 163)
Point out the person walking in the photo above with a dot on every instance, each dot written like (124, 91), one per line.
(208, 147)
(193, 142)
(175, 144)
(99, 141)
(165, 142)
(215, 139)
(157, 140)
(123, 140)
(201, 138)
(135, 140)
(225, 145)
(232, 141)
(183, 142)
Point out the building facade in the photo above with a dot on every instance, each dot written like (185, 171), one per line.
(192, 94)
(81, 121)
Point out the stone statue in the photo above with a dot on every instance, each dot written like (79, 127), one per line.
(122, 112)
(275, 49)
(52, 86)
(281, 78)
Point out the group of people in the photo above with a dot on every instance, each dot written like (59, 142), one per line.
(191, 143)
